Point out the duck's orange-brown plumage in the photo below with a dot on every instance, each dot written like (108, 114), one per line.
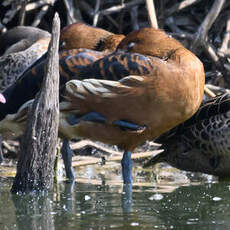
(81, 35)
(154, 82)
(166, 90)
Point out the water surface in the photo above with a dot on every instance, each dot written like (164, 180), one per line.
(103, 204)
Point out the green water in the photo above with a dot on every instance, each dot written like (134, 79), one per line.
(88, 206)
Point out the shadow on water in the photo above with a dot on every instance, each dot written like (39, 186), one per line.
(90, 206)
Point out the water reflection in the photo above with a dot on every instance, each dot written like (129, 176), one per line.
(126, 198)
(33, 211)
(103, 206)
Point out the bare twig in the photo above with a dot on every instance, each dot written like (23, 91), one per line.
(209, 49)
(118, 8)
(222, 51)
(40, 15)
(114, 22)
(70, 11)
(134, 17)
(38, 4)
(10, 15)
(180, 6)
(93, 160)
(217, 89)
(151, 13)
(202, 32)
(22, 13)
(182, 35)
(209, 92)
(170, 22)
(84, 143)
(96, 12)
(84, 6)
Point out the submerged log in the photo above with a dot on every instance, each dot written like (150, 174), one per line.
(38, 146)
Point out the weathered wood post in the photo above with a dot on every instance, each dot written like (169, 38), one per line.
(38, 146)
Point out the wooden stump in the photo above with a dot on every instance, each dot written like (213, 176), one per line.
(38, 146)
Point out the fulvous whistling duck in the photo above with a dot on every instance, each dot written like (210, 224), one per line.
(20, 38)
(201, 143)
(153, 87)
(124, 98)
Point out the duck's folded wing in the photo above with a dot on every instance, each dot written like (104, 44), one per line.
(115, 99)
(105, 88)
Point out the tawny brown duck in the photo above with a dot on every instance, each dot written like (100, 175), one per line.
(126, 97)
(163, 87)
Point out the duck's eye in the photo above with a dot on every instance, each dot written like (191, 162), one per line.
(130, 46)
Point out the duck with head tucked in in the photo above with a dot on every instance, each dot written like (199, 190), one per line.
(80, 35)
(126, 97)
(200, 144)
(156, 84)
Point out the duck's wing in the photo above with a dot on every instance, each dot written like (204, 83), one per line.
(114, 99)
(105, 88)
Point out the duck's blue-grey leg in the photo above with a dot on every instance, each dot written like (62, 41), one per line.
(1, 153)
(67, 196)
(127, 166)
(126, 198)
(97, 117)
(67, 154)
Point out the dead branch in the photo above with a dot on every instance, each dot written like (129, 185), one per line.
(85, 143)
(217, 89)
(70, 11)
(38, 4)
(38, 146)
(40, 15)
(180, 6)
(77, 162)
(96, 12)
(134, 17)
(201, 35)
(22, 13)
(223, 50)
(118, 8)
(151, 13)
(209, 92)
